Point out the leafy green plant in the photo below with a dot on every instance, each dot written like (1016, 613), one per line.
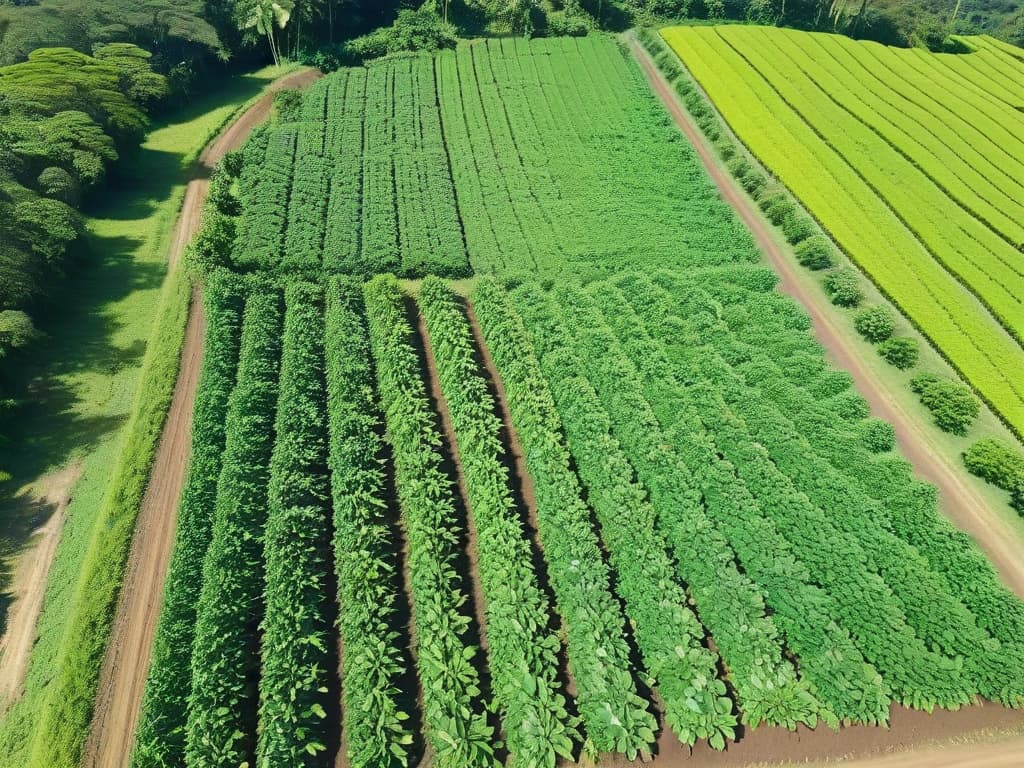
(222, 706)
(160, 736)
(843, 287)
(453, 710)
(376, 728)
(1000, 464)
(616, 718)
(876, 324)
(900, 351)
(815, 253)
(523, 650)
(954, 407)
(295, 634)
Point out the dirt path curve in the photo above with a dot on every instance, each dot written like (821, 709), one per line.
(123, 675)
(965, 508)
(29, 585)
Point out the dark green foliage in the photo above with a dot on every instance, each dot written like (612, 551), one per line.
(794, 382)
(900, 351)
(944, 627)
(413, 30)
(797, 228)
(160, 737)
(815, 252)
(288, 104)
(221, 728)
(779, 209)
(364, 547)
(954, 407)
(296, 637)
(875, 324)
(1000, 464)
(843, 287)
(668, 633)
(598, 655)
(878, 435)
(453, 710)
(523, 650)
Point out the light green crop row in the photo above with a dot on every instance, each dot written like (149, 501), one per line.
(980, 259)
(859, 220)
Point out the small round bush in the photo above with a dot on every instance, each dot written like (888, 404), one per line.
(725, 148)
(900, 351)
(843, 288)
(875, 324)
(683, 86)
(850, 406)
(754, 181)
(797, 228)
(954, 407)
(877, 435)
(780, 210)
(738, 166)
(815, 253)
(1000, 464)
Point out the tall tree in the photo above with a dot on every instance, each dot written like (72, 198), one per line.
(263, 16)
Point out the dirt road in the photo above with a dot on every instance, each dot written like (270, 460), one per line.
(29, 586)
(965, 508)
(126, 665)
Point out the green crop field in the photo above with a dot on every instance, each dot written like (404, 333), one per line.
(543, 517)
(913, 162)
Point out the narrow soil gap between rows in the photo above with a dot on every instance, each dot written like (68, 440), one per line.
(524, 495)
(466, 561)
(411, 698)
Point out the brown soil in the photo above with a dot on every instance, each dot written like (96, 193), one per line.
(124, 671)
(964, 508)
(53, 494)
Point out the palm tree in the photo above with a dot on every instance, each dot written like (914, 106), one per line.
(262, 16)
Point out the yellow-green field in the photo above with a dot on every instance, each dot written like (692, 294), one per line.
(914, 163)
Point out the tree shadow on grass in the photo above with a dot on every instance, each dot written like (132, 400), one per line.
(56, 417)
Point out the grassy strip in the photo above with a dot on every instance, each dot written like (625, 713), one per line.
(68, 707)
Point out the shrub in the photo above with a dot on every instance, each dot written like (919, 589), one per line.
(797, 228)
(779, 209)
(738, 166)
(725, 148)
(577, 24)
(877, 435)
(900, 351)
(1001, 465)
(875, 324)
(288, 104)
(754, 181)
(683, 86)
(815, 253)
(413, 30)
(953, 405)
(843, 288)
(850, 406)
